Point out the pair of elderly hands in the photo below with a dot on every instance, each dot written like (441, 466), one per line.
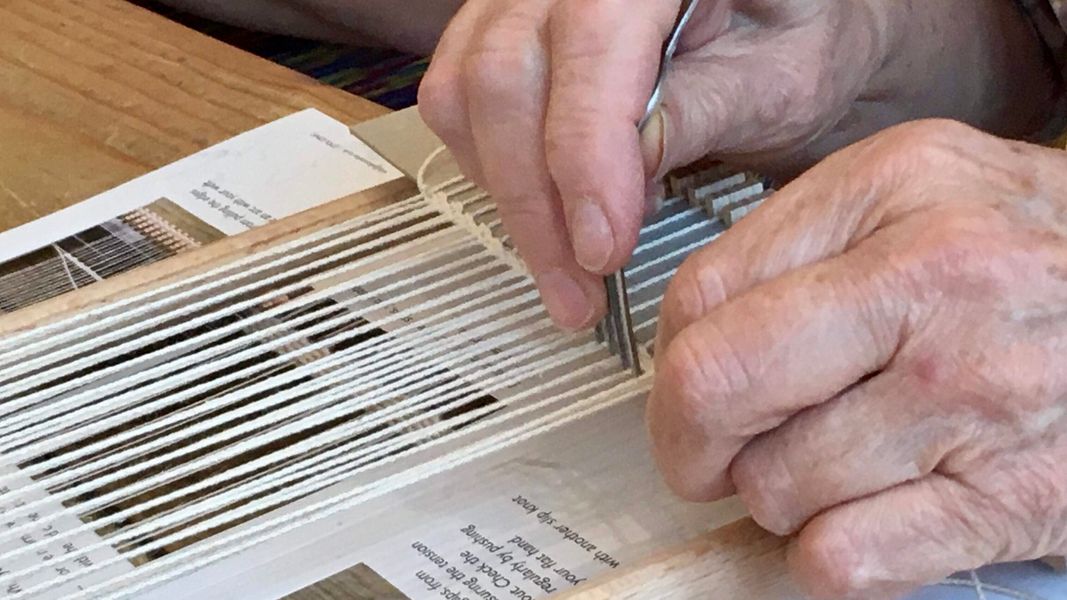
(876, 359)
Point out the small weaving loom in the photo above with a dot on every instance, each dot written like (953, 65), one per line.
(187, 410)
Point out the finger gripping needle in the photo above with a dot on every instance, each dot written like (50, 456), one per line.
(617, 327)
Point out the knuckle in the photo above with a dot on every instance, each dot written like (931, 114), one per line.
(764, 485)
(927, 132)
(696, 288)
(705, 373)
(682, 479)
(438, 102)
(826, 562)
(695, 383)
(896, 154)
(919, 144)
(724, 372)
(953, 247)
(674, 441)
(502, 60)
(801, 98)
(495, 72)
(684, 377)
(796, 111)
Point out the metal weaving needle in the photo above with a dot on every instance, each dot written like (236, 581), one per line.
(617, 327)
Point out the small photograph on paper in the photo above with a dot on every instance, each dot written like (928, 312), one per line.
(140, 237)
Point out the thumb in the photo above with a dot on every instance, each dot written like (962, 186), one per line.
(759, 94)
(743, 105)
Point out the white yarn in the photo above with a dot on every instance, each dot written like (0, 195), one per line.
(328, 400)
(380, 372)
(73, 350)
(206, 281)
(339, 353)
(243, 539)
(511, 378)
(90, 396)
(324, 364)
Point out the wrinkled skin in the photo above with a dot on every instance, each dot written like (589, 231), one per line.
(885, 373)
(538, 101)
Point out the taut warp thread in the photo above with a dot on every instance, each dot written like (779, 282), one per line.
(177, 426)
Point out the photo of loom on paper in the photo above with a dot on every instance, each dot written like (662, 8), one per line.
(140, 237)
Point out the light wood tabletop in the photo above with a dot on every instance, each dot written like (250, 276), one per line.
(96, 92)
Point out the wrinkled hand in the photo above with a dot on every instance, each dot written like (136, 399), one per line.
(539, 99)
(877, 359)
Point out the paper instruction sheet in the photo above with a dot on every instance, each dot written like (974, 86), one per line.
(276, 170)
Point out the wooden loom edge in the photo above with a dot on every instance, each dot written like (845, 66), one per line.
(738, 560)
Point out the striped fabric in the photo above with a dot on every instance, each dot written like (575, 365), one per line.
(383, 76)
(1060, 7)
(1049, 18)
(392, 78)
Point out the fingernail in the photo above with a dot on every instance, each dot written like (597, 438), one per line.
(565, 300)
(654, 143)
(591, 234)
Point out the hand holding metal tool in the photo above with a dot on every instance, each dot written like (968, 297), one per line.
(617, 327)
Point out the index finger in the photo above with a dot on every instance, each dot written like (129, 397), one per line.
(604, 58)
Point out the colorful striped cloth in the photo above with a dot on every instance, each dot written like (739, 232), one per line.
(384, 76)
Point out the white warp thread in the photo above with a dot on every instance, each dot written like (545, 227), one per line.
(267, 359)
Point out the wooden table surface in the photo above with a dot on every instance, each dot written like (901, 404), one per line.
(96, 92)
